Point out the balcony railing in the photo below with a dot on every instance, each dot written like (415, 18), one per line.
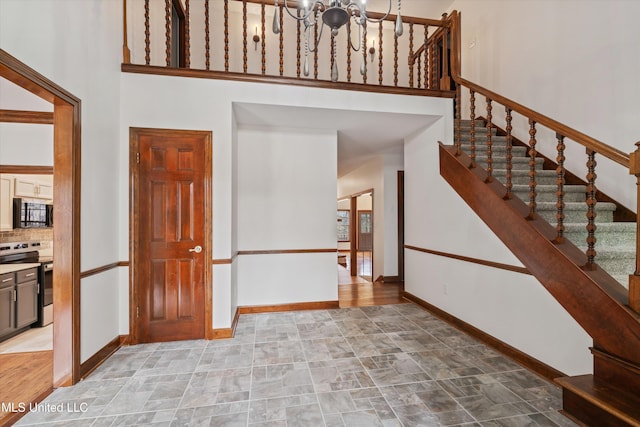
(232, 39)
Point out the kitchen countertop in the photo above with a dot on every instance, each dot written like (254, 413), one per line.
(10, 268)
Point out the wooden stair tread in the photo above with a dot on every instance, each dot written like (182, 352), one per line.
(622, 404)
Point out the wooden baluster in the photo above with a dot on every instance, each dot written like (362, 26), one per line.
(244, 36)
(434, 66)
(457, 101)
(187, 35)
(298, 41)
(147, 34)
(332, 53)
(167, 29)
(509, 155)
(532, 169)
(380, 53)
(426, 57)
(634, 279)
(226, 35)
(472, 132)
(349, 51)
(126, 52)
(167, 24)
(364, 52)
(445, 80)
(411, 54)
(419, 79)
(560, 171)
(591, 209)
(263, 39)
(315, 54)
(207, 41)
(281, 41)
(489, 142)
(395, 59)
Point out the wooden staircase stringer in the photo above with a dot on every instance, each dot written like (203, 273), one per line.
(593, 298)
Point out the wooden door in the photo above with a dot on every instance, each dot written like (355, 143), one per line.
(365, 231)
(171, 236)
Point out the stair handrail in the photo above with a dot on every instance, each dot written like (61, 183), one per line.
(588, 142)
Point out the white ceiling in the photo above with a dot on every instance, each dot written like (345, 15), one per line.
(362, 135)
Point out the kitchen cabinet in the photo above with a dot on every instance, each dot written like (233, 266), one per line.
(26, 297)
(6, 201)
(26, 186)
(18, 300)
(7, 304)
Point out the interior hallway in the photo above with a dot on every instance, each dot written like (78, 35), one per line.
(385, 365)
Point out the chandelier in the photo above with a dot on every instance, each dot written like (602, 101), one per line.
(334, 15)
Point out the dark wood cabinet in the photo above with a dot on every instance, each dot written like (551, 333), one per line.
(26, 303)
(18, 301)
(7, 304)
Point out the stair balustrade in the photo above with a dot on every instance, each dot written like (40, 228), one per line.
(220, 36)
(536, 170)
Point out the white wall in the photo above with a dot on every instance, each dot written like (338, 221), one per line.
(24, 144)
(184, 103)
(512, 307)
(76, 44)
(286, 190)
(573, 60)
(392, 164)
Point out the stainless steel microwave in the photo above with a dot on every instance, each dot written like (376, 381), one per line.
(28, 213)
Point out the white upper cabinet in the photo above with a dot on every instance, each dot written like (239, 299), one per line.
(34, 188)
(6, 201)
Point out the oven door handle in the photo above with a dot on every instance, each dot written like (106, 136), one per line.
(48, 267)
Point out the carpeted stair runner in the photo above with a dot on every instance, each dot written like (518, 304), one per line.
(615, 244)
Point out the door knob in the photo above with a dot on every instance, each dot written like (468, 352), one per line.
(197, 249)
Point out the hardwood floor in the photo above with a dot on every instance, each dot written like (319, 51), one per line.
(357, 292)
(364, 263)
(25, 378)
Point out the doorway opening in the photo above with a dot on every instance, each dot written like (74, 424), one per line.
(65, 360)
(355, 238)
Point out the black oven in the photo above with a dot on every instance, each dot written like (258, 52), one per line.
(45, 305)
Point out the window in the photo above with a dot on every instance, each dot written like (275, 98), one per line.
(343, 225)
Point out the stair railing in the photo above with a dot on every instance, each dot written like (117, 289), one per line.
(235, 37)
(562, 132)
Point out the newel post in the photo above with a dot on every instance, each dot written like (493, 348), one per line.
(634, 279)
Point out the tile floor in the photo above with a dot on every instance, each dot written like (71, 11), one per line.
(392, 365)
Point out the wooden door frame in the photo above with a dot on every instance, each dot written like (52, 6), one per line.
(134, 227)
(401, 227)
(66, 233)
(353, 207)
